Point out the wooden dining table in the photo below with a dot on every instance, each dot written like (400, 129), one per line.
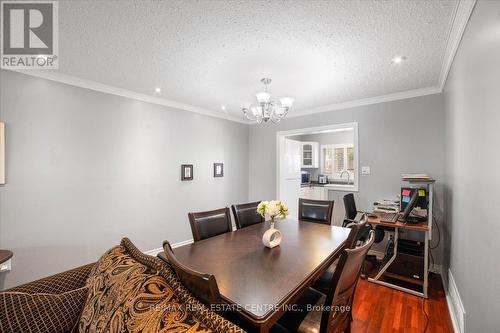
(260, 282)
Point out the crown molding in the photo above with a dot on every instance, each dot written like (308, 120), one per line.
(458, 23)
(104, 88)
(368, 101)
(456, 31)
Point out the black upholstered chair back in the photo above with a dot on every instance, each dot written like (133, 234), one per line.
(350, 215)
(246, 214)
(350, 206)
(202, 285)
(210, 223)
(318, 211)
(338, 305)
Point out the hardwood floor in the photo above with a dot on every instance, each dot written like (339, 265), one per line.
(378, 309)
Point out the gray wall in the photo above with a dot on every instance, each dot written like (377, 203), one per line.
(472, 100)
(396, 137)
(85, 169)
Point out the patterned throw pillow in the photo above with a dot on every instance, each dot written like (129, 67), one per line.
(126, 295)
(51, 313)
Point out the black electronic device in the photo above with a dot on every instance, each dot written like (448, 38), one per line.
(407, 192)
(408, 265)
(409, 207)
(409, 261)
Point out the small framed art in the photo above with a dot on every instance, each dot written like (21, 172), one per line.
(186, 172)
(218, 169)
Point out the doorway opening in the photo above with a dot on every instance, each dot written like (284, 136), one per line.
(313, 163)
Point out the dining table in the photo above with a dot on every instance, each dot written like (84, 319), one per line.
(260, 282)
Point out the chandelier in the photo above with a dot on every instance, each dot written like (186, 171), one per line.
(267, 109)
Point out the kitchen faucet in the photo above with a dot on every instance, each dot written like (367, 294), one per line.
(348, 176)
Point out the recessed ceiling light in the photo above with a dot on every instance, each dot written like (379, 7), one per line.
(223, 107)
(398, 59)
(157, 90)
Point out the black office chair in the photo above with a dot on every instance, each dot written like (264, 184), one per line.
(350, 214)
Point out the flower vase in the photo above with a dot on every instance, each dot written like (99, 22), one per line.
(272, 237)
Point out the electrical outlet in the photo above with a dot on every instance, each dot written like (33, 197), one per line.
(365, 170)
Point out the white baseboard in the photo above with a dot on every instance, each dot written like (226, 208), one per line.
(455, 305)
(438, 269)
(154, 252)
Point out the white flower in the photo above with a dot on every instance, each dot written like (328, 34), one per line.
(262, 208)
(273, 208)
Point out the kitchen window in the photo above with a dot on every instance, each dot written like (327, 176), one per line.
(337, 158)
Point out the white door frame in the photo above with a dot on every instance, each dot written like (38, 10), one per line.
(281, 135)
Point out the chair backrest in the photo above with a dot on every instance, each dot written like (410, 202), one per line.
(203, 286)
(210, 223)
(337, 313)
(318, 211)
(358, 230)
(246, 214)
(350, 206)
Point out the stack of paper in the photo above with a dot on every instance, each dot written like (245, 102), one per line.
(415, 176)
(386, 206)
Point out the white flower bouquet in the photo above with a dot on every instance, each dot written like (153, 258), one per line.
(273, 209)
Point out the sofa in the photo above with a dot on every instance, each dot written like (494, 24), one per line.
(125, 291)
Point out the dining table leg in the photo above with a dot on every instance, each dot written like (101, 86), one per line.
(264, 328)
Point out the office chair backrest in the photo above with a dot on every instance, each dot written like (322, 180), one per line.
(246, 214)
(336, 315)
(317, 211)
(350, 206)
(203, 286)
(210, 223)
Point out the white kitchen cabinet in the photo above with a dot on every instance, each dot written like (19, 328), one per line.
(319, 193)
(310, 154)
(305, 192)
(314, 193)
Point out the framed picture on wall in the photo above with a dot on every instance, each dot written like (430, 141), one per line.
(218, 169)
(186, 172)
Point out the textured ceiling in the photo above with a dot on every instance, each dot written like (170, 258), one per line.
(209, 53)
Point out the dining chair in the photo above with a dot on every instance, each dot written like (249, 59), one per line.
(317, 211)
(331, 313)
(246, 214)
(210, 223)
(357, 234)
(350, 214)
(202, 285)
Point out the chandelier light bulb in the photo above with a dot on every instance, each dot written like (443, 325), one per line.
(286, 102)
(263, 97)
(255, 111)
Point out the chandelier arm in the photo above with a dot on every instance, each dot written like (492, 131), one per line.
(286, 112)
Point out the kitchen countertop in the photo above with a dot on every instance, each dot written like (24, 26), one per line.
(316, 184)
